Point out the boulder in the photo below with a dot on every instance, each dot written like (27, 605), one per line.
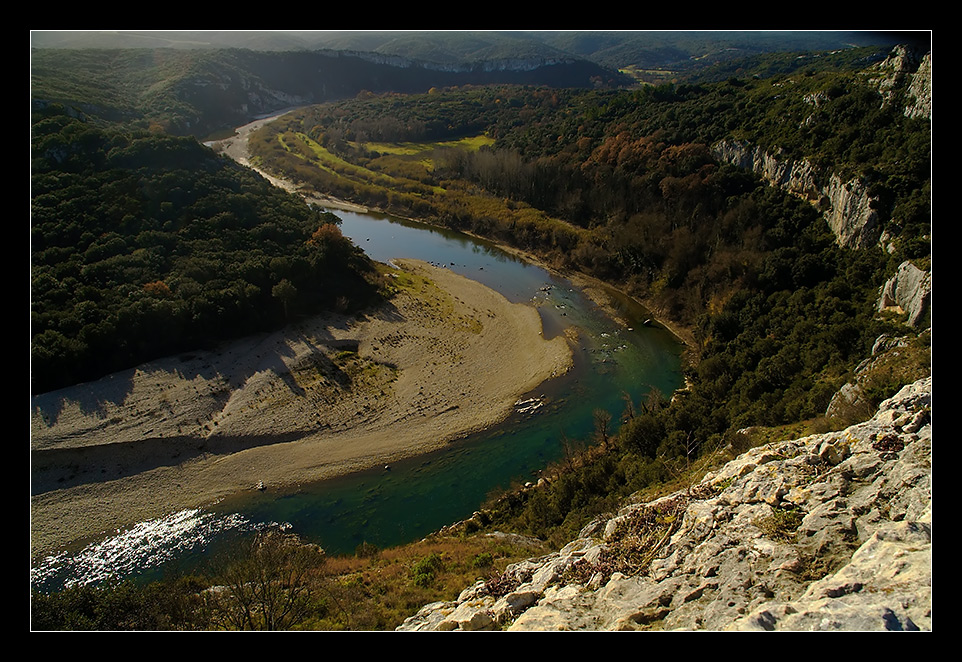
(908, 292)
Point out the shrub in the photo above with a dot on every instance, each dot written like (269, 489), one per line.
(425, 570)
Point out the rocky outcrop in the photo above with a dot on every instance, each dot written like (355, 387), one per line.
(796, 177)
(849, 212)
(847, 206)
(908, 292)
(906, 68)
(856, 395)
(920, 90)
(828, 532)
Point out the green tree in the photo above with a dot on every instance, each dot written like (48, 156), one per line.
(286, 292)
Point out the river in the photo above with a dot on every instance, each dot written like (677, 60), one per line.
(423, 494)
(385, 507)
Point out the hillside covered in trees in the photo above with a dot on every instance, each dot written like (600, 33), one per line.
(653, 56)
(149, 245)
(204, 92)
(620, 184)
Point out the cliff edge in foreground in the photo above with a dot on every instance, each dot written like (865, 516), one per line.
(829, 532)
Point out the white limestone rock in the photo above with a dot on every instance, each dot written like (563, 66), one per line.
(828, 532)
(909, 292)
(847, 205)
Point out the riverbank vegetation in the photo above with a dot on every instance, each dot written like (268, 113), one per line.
(620, 184)
(779, 311)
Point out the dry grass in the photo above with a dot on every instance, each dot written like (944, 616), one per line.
(377, 590)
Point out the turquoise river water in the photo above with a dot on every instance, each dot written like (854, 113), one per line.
(412, 498)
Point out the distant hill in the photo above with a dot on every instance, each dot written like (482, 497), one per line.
(201, 91)
(613, 49)
(200, 82)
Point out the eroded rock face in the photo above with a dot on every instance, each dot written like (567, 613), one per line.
(850, 213)
(847, 206)
(908, 68)
(904, 77)
(920, 90)
(909, 291)
(828, 532)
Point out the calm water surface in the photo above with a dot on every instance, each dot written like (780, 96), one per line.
(410, 499)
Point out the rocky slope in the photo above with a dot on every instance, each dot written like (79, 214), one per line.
(828, 532)
(906, 67)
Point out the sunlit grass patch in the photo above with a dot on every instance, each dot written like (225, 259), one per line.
(438, 301)
(412, 148)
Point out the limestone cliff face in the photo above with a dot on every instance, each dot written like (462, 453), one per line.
(829, 532)
(920, 90)
(911, 70)
(847, 206)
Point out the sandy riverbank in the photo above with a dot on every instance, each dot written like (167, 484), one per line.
(328, 396)
(236, 147)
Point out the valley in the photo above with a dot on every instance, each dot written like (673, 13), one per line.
(421, 321)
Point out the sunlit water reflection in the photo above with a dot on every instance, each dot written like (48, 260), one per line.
(142, 550)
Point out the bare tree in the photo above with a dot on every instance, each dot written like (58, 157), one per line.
(629, 413)
(269, 587)
(684, 468)
(602, 419)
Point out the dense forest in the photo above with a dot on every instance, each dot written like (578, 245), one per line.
(202, 92)
(148, 244)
